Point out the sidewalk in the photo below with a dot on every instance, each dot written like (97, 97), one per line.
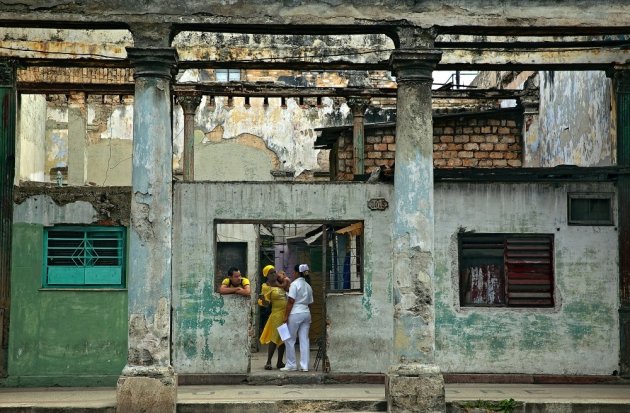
(348, 397)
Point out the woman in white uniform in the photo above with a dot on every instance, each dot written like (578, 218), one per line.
(298, 318)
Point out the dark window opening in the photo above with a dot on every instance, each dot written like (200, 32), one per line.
(590, 209)
(514, 270)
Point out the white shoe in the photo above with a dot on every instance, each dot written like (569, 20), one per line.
(288, 369)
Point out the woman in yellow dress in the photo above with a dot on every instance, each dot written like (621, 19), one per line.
(274, 292)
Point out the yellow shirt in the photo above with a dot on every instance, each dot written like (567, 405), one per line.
(244, 282)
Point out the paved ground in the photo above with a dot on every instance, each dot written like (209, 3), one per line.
(106, 397)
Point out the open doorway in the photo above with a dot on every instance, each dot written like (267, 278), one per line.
(333, 252)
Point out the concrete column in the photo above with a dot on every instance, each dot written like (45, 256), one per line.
(148, 382)
(189, 105)
(77, 139)
(622, 97)
(414, 382)
(358, 106)
(8, 107)
(530, 104)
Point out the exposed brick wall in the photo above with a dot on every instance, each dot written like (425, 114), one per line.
(458, 142)
(75, 75)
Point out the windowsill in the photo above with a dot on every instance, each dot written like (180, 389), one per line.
(81, 289)
(336, 293)
(505, 308)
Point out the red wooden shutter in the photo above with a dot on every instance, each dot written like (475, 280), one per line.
(529, 269)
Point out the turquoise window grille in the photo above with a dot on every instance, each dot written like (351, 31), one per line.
(84, 257)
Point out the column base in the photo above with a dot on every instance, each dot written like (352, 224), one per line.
(147, 390)
(415, 388)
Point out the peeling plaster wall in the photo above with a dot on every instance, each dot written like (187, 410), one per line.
(579, 336)
(575, 121)
(204, 320)
(31, 148)
(286, 132)
(43, 210)
(109, 162)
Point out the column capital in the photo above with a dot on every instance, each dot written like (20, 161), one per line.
(8, 73)
(151, 34)
(530, 102)
(414, 37)
(414, 65)
(189, 103)
(358, 104)
(153, 62)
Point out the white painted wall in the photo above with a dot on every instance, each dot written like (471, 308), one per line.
(30, 143)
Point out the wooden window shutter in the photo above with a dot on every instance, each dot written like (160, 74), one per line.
(529, 269)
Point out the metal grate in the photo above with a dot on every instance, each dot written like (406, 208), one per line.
(84, 256)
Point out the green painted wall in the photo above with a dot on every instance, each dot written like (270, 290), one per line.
(65, 338)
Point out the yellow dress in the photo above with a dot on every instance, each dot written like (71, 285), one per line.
(278, 298)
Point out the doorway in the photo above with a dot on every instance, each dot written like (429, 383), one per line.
(332, 250)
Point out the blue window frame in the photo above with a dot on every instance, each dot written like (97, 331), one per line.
(91, 257)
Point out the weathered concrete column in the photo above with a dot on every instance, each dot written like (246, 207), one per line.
(622, 95)
(189, 105)
(148, 382)
(414, 383)
(357, 106)
(8, 107)
(530, 104)
(77, 139)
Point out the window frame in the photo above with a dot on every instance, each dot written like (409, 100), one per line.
(87, 257)
(592, 196)
(527, 268)
(357, 261)
(229, 72)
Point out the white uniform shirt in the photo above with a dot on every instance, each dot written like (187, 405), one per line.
(302, 293)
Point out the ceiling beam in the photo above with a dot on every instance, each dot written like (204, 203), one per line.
(253, 89)
(463, 58)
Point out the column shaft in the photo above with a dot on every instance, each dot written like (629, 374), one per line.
(77, 139)
(148, 382)
(189, 105)
(413, 209)
(358, 106)
(414, 382)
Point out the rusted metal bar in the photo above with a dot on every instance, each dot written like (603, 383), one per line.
(622, 81)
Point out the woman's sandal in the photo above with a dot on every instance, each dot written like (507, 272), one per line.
(268, 367)
(280, 365)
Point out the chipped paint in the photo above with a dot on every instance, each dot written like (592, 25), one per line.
(193, 264)
(520, 340)
(575, 121)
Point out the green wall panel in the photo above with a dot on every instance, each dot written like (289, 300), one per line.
(65, 337)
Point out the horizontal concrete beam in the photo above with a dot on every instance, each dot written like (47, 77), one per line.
(252, 89)
(589, 58)
(569, 16)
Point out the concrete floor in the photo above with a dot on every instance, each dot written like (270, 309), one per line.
(604, 396)
(258, 360)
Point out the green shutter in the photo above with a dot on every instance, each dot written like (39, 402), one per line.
(84, 256)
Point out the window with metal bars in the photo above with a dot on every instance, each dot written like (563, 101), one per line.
(84, 257)
(513, 270)
(346, 266)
